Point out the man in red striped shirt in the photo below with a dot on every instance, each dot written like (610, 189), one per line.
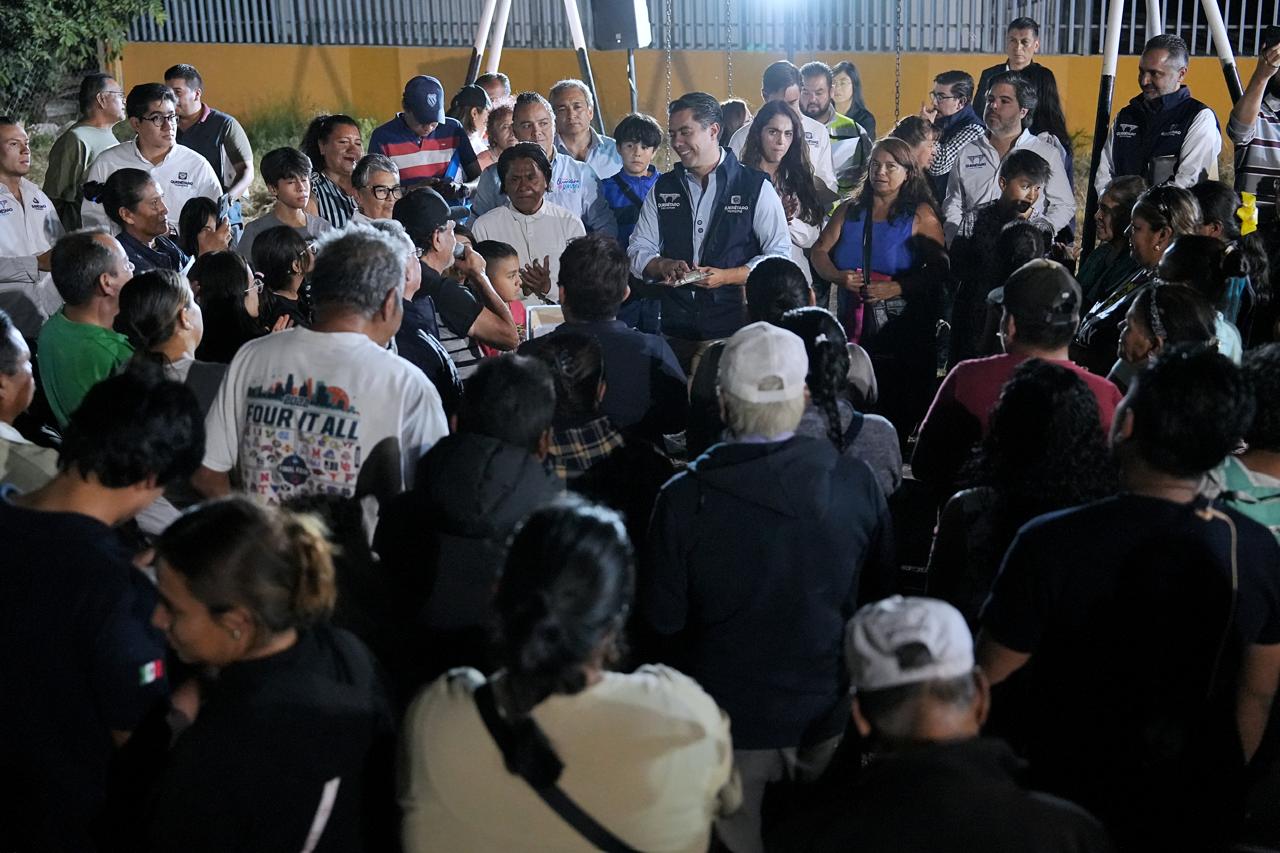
(429, 148)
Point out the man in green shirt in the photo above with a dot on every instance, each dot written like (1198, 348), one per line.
(850, 142)
(78, 347)
(101, 107)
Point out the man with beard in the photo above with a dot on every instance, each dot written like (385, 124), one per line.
(1164, 134)
(975, 178)
(1255, 128)
(850, 142)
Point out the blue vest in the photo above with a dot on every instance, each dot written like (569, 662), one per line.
(692, 312)
(1145, 131)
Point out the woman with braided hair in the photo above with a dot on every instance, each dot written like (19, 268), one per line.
(830, 412)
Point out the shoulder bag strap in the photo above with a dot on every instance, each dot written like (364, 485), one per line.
(627, 190)
(552, 794)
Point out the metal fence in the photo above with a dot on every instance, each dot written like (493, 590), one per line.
(803, 26)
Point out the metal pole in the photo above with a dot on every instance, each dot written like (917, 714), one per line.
(1106, 89)
(1155, 26)
(499, 36)
(584, 62)
(482, 39)
(1217, 29)
(631, 80)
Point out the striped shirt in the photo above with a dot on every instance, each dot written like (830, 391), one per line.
(332, 203)
(446, 152)
(1258, 152)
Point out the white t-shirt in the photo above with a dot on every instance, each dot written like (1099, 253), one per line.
(28, 228)
(182, 175)
(541, 234)
(304, 412)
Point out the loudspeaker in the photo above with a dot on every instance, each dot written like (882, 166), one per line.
(620, 24)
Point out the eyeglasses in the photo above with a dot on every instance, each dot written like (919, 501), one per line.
(161, 119)
(940, 96)
(114, 93)
(382, 193)
(256, 286)
(417, 252)
(309, 250)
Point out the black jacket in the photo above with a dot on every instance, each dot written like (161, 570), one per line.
(758, 555)
(960, 796)
(275, 740)
(444, 543)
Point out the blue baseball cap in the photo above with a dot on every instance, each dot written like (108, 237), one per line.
(424, 97)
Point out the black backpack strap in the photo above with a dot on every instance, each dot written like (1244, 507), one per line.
(626, 189)
(855, 427)
(552, 794)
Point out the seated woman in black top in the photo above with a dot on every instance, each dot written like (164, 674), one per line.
(229, 296)
(134, 202)
(283, 258)
(293, 720)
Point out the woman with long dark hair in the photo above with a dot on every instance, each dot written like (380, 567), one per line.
(283, 258)
(230, 297)
(890, 298)
(830, 412)
(1160, 317)
(846, 92)
(334, 146)
(776, 146)
(646, 755)
(1045, 452)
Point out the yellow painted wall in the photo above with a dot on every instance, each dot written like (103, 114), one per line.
(367, 81)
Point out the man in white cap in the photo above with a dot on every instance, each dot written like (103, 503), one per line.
(933, 783)
(759, 553)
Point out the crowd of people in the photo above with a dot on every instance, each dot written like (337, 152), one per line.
(494, 489)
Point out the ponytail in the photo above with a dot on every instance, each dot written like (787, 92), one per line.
(828, 377)
(122, 189)
(315, 590)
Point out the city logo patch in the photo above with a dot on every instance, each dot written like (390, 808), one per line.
(735, 199)
(1126, 130)
(182, 176)
(974, 161)
(5, 207)
(668, 201)
(1174, 130)
(38, 203)
(151, 672)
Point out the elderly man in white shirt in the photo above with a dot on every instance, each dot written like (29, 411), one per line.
(975, 178)
(537, 229)
(181, 172)
(29, 226)
(574, 184)
(782, 82)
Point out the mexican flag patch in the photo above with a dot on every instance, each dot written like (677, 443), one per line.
(151, 671)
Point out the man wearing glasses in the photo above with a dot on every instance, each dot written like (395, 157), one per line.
(101, 107)
(950, 108)
(181, 172)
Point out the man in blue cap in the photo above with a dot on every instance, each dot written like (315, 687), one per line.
(428, 147)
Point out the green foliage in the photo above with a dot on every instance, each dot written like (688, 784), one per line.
(43, 41)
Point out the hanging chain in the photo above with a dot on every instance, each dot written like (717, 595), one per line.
(897, 67)
(667, 27)
(732, 33)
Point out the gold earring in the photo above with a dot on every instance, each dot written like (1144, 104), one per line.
(235, 633)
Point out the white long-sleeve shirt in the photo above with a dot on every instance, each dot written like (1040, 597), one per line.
(769, 224)
(182, 175)
(28, 227)
(543, 233)
(1198, 155)
(819, 139)
(574, 186)
(975, 180)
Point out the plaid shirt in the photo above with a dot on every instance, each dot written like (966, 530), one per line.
(575, 449)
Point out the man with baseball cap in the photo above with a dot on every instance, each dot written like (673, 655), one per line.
(1039, 311)
(759, 553)
(427, 146)
(933, 783)
(1254, 128)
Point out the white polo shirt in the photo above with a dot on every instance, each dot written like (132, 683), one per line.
(543, 233)
(182, 175)
(28, 228)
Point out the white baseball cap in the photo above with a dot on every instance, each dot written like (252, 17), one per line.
(763, 363)
(900, 641)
